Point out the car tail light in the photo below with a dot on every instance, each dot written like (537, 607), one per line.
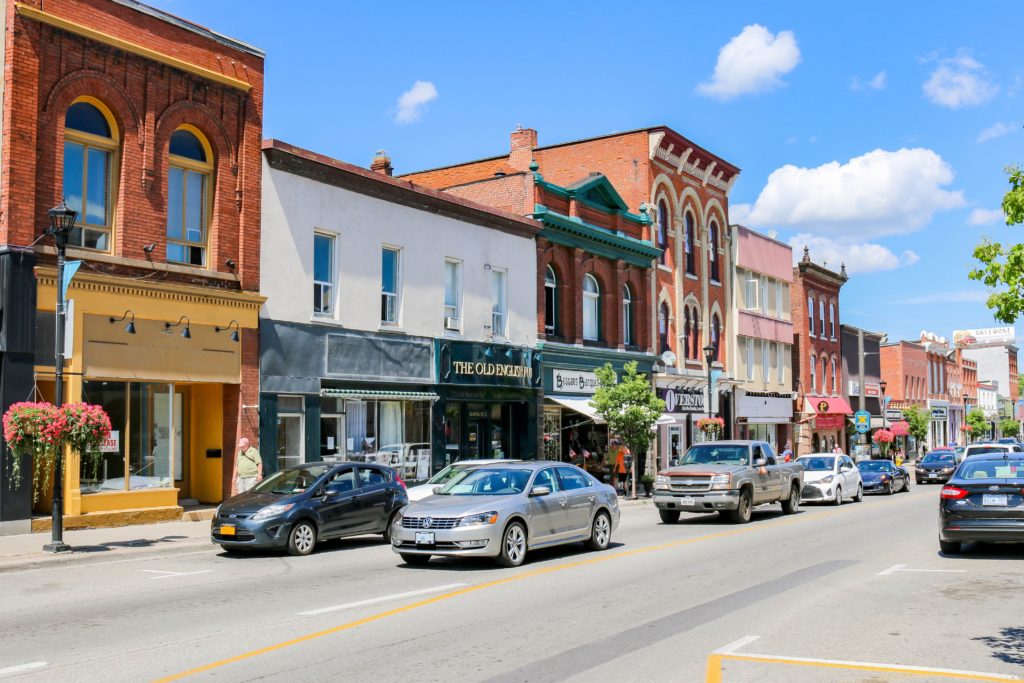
(401, 482)
(953, 493)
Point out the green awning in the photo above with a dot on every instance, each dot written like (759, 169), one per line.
(369, 395)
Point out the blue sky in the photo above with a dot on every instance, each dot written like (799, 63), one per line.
(876, 134)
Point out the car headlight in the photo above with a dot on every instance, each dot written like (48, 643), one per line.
(661, 482)
(272, 511)
(216, 512)
(885, 477)
(920, 469)
(947, 469)
(398, 518)
(825, 480)
(720, 482)
(479, 520)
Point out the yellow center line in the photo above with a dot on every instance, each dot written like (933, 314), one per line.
(489, 584)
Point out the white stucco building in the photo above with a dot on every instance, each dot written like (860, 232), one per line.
(398, 318)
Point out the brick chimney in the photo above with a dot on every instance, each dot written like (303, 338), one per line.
(382, 163)
(524, 140)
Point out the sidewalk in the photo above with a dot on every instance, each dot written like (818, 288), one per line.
(24, 551)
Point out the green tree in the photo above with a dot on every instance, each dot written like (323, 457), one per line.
(1002, 268)
(629, 406)
(918, 422)
(979, 424)
(1010, 427)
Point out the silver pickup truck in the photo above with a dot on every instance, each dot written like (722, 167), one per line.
(730, 477)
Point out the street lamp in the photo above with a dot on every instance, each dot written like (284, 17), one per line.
(62, 220)
(709, 356)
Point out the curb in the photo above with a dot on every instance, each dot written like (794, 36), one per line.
(81, 557)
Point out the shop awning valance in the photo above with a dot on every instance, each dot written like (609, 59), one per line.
(832, 406)
(370, 395)
(580, 405)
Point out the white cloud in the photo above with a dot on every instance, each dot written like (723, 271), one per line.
(859, 257)
(997, 130)
(876, 83)
(413, 100)
(959, 82)
(985, 216)
(962, 296)
(739, 213)
(753, 61)
(878, 193)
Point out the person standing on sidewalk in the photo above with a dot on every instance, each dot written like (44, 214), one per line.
(248, 467)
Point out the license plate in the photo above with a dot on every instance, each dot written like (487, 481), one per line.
(685, 501)
(993, 499)
(227, 530)
(424, 538)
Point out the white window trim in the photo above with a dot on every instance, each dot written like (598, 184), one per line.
(503, 332)
(821, 316)
(766, 361)
(832, 321)
(457, 313)
(780, 362)
(332, 285)
(810, 315)
(750, 359)
(835, 384)
(627, 317)
(397, 322)
(587, 298)
(814, 374)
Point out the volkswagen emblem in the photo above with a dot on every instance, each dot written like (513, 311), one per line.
(233, 516)
(426, 522)
(993, 488)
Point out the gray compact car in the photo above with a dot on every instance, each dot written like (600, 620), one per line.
(504, 510)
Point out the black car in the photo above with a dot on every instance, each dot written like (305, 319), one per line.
(883, 476)
(299, 506)
(936, 466)
(983, 502)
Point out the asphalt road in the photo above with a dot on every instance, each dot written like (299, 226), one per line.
(789, 595)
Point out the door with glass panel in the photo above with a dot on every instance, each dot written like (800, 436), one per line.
(290, 439)
(332, 429)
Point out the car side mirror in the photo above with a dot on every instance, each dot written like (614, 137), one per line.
(760, 462)
(436, 489)
(538, 491)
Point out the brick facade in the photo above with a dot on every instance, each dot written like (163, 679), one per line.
(905, 370)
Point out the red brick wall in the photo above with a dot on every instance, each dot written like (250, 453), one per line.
(512, 193)
(904, 368)
(807, 284)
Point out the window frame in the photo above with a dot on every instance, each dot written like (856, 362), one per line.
(551, 290)
(328, 285)
(810, 314)
(593, 300)
(499, 316)
(691, 232)
(663, 227)
(834, 381)
(394, 299)
(780, 362)
(821, 315)
(455, 309)
(814, 373)
(206, 170)
(766, 361)
(713, 237)
(750, 358)
(824, 375)
(112, 147)
(832, 320)
(716, 337)
(627, 316)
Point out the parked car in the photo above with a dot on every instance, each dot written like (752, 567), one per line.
(299, 506)
(504, 510)
(990, 448)
(829, 477)
(1010, 440)
(410, 460)
(730, 477)
(936, 466)
(444, 476)
(883, 476)
(983, 502)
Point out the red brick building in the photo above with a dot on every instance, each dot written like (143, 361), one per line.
(685, 189)
(149, 127)
(817, 361)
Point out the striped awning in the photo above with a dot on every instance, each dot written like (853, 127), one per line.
(371, 395)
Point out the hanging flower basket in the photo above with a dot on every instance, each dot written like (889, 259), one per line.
(41, 430)
(711, 426)
(966, 429)
(883, 437)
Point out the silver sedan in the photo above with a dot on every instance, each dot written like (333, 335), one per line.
(504, 510)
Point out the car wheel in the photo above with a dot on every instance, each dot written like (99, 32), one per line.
(513, 545)
(839, 496)
(888, 488)
(906, 485)
(917, 480)
(741, 515)
(302, 539)
(387, 529)
(860, 494)
(669, 516)
(949, 547)
(791, 505)
(600, 532)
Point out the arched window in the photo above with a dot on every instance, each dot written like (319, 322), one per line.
(687, 330)
(716, 330)
(550, 301)
(834, 379)
(713, 251)
(663, 229)
(90, 157)
(695, 351)
(627, 316)
(591, 308)
(814, 374)
(189, 176)
(663, 328)
(691, 262)
(810, 315)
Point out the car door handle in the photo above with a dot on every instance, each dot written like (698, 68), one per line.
(591, 498)
(562, 503)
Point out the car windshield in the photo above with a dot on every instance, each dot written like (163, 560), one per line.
(487, 482)
(715, 454)
(445, 475)
(813, 463)
(944, 458)
(992, 469)
(874, 466)
(291, 481)
(983, 450)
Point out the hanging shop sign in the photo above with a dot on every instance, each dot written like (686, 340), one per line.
(682, 400)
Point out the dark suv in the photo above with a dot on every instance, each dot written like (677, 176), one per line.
(299, 506)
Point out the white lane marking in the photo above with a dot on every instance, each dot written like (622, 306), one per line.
(903, 568)
(172, 575)
(897, 668)
(384, 598)
(22, 668)
(735, 645)
(892, 570)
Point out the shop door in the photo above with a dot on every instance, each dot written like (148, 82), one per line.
(168, 404)
(475, 447)
(332, 437)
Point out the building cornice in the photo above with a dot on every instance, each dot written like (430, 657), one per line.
(577, 233)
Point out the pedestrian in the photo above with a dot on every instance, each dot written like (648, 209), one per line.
(787, 452)
(248, 467)
(611, 461)
(837, 449)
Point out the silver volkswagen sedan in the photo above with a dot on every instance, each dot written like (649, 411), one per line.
(503, 510)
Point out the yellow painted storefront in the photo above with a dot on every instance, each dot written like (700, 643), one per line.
(194, 371)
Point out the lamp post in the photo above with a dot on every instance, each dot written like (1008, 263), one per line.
(709, 356)
(882, 384)
(62, 220)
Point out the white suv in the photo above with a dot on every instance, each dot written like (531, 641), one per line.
(991, 448)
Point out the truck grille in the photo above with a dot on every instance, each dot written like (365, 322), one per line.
(690, 484)
(429, 522)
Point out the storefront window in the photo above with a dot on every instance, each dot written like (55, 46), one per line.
(552, 433)
(332, 428)
(373, 426)
(452, 431)
(146, 439)
(289, 431)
